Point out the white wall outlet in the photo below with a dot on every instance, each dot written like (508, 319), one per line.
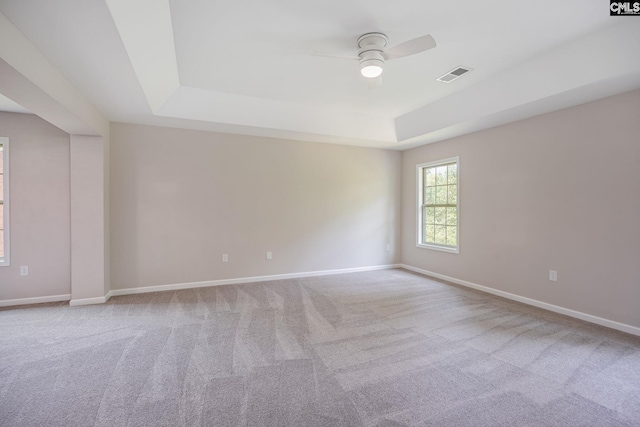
(225, 257)
(388, 247)
(553, 275)
(24, 270)
(269, 255)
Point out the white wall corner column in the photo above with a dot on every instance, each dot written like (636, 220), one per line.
(89, 178)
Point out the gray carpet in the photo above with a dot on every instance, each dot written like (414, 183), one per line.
(385, 348)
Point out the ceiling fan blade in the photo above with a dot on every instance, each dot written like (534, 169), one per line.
(410, 47)
(374, 82)
(333, 55)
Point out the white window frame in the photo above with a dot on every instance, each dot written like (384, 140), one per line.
(5, 262)
(420, 192)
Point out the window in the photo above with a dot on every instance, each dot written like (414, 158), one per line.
(4, 201)
(438, 185)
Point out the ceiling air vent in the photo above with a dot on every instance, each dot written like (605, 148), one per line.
(453, 74)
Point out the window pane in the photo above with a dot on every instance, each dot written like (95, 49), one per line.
(452, 194)
(441, 195)
(439, 198)
(430, 179)
(1, 244)
(431, 195)
(429, 234)
(2, 206)
(452, 216)
(441, 235)
(451, 235)
(452, 171)
(441, 216)
(430, 217)
(441, 175)
(1, 172)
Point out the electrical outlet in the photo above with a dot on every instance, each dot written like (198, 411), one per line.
(24, 270)
(269, 255)
(553, 275)
(388, 247)
(225, 257)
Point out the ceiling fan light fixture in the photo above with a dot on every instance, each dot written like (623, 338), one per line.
(371, 63)
(371, 68)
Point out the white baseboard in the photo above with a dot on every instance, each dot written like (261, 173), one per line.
(191, 285)
(90, 301)
(146, 289)
(35, 300)
(634, 330)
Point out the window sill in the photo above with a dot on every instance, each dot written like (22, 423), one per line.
(450, 250)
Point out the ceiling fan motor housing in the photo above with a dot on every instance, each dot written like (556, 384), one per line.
(371, 46)
(372, 41)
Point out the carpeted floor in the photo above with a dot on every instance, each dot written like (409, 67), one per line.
(384, 348)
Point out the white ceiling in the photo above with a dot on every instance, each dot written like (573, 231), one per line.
(246, 67)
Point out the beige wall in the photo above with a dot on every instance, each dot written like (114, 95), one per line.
(559, 191)
(180, 199)
(89, 223)
(39, 167)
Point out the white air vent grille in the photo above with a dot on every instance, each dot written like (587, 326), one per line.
(453, 74)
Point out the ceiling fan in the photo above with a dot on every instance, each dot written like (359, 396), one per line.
(372, 52)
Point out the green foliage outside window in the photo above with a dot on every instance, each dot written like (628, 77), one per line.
(440, 205)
